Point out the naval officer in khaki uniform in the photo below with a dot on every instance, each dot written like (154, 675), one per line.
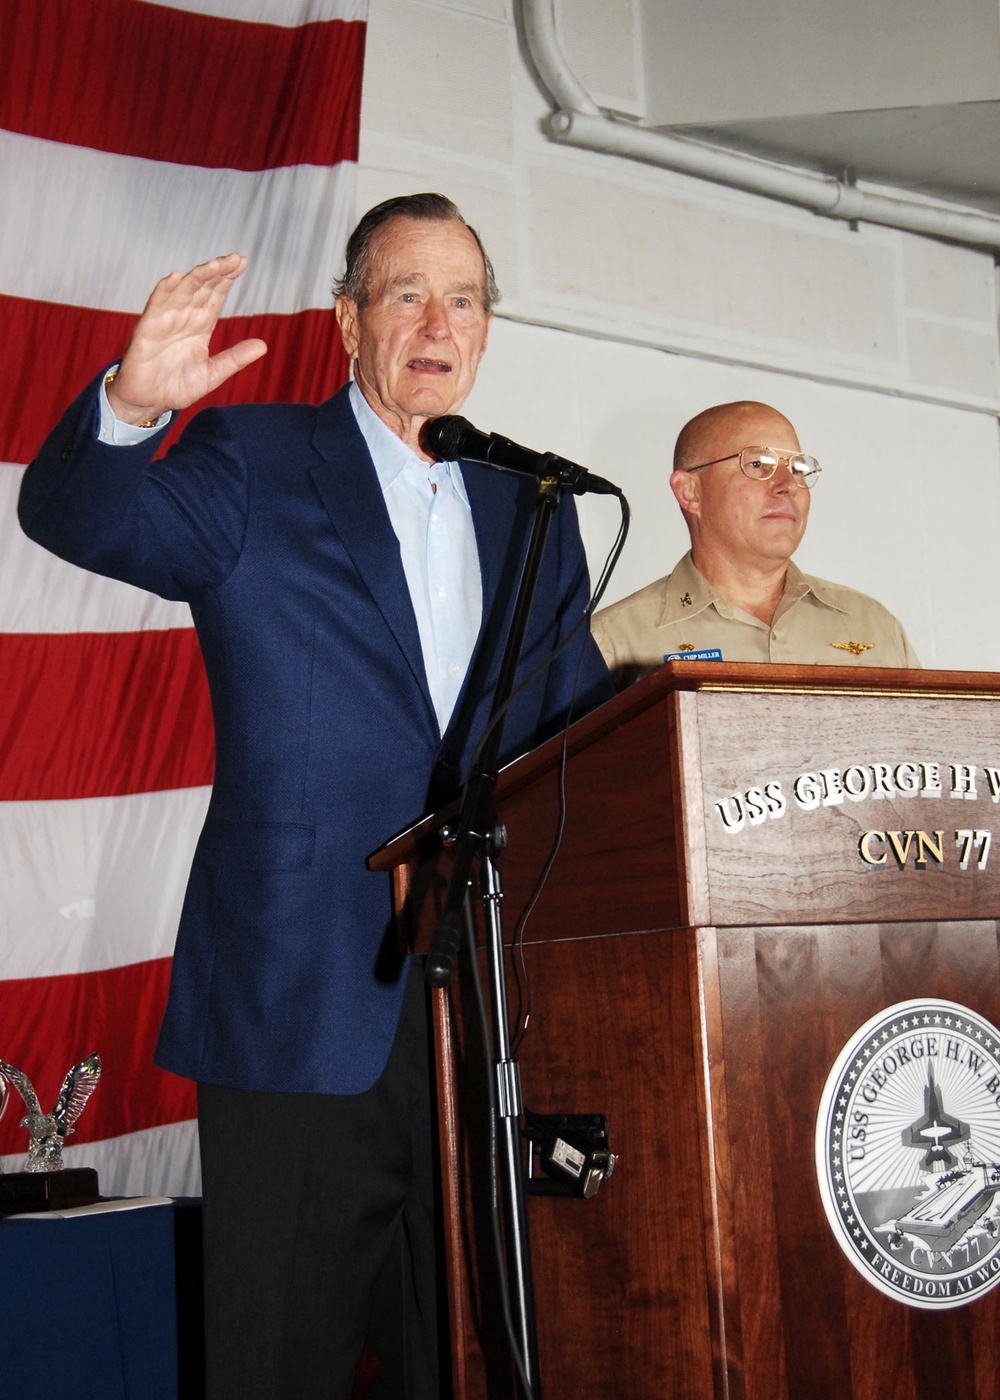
(743, 484)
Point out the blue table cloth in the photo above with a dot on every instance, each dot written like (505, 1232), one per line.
(89, 1310)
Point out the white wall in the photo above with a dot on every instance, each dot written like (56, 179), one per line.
(817, 56)
(633, 298)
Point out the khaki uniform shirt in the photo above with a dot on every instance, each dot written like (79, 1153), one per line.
(816, 623)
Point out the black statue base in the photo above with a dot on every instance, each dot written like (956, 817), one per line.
(21, 1192)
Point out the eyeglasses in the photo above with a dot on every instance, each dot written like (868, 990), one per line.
(760, 464)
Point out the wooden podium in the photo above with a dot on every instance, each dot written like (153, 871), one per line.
(756, 861)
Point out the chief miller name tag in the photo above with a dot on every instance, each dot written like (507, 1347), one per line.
(709, 654)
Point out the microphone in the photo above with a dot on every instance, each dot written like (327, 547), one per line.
(450, 438)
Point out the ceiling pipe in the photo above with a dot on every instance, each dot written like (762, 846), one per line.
(578, 121)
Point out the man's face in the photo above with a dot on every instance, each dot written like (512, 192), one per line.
(419, 337)
(752, 524)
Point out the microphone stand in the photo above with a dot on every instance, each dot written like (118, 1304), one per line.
(479, 838)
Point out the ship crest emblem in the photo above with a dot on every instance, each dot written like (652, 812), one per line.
(908, 1153)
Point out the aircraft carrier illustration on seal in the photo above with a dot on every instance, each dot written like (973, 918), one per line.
(958, 1197)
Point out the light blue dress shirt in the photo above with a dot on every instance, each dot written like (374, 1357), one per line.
(430, 513)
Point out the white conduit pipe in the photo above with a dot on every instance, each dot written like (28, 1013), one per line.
(578, 121)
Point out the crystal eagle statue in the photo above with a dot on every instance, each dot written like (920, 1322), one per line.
(48, 1130)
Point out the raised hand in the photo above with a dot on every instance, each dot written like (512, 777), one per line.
(167, 364)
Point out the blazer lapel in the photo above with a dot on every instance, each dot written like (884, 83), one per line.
(346, 481)
(501, 515)
(498, 517)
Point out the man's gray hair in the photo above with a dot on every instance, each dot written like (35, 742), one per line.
(434, 207)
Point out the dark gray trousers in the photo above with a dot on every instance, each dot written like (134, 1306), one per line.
(319, 1233)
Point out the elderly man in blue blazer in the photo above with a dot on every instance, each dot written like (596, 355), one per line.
(351, 598)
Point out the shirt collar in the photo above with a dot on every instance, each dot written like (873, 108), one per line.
(688, 592)
(389, 453)
(798, 584)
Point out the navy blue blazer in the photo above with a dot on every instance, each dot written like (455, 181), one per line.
(269, 521)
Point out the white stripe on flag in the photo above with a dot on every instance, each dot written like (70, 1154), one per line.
(43, 594)
(292, 223)
(94, 884)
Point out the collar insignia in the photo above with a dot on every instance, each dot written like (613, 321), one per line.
(686, 600)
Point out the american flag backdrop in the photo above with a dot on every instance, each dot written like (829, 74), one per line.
(136, 138)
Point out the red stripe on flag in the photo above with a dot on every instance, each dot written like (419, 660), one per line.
(102, 715)
(49, 1024)
(196, 89)
(49, 352)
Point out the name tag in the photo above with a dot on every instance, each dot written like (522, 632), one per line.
(709, 654)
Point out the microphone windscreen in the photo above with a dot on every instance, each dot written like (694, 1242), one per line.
(442, 437)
